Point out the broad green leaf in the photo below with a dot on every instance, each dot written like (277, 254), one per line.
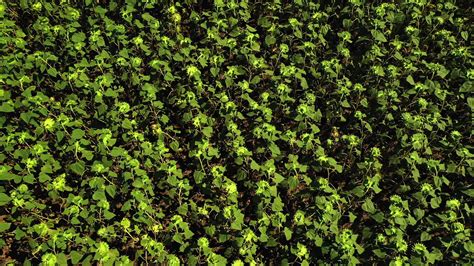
(288, 233)
(6, 108)
(76, 257)
(379, 36)
(254, 165)
(469, 192)
(52, 71)
(274, 149)
(4, 226)
(78, 37)
(470, 102)
(78, 167)
(174, 145)
(117, 151)
(277, 205)
(368, 206)
(207, 131)
(77, 134)
(435, 202)
(4, 199)
(318, 241)
(99, 195)
(9, 176)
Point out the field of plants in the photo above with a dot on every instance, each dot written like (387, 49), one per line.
(236, 132)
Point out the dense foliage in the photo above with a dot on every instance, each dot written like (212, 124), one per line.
(236, 132)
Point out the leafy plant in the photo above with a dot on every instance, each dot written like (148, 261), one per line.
(236, 132)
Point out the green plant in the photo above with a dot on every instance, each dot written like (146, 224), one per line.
(236, 132)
